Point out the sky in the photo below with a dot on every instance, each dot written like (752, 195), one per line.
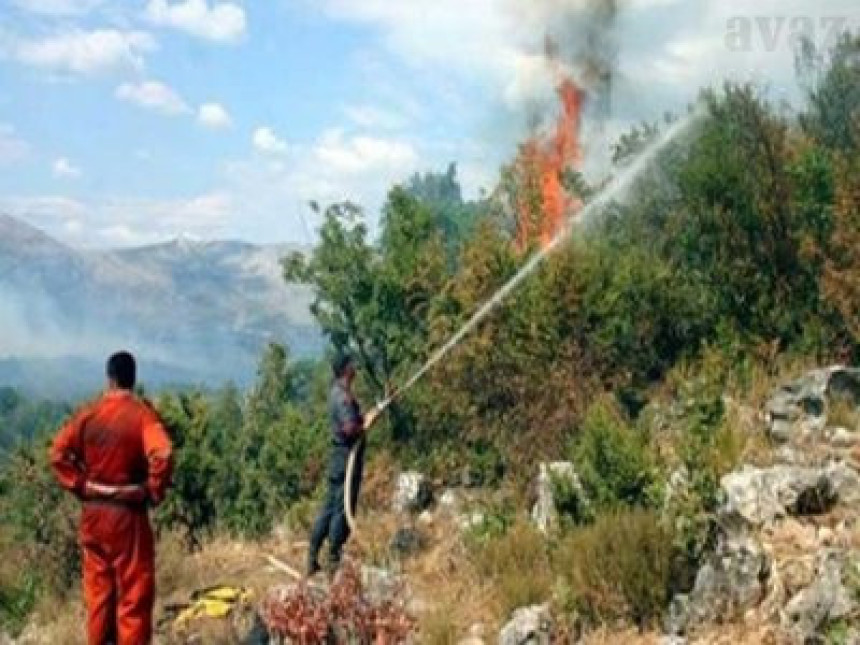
(129, 122)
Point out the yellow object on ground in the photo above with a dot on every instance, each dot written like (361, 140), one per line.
(214, 602)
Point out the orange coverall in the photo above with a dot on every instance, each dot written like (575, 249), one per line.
(115, 456)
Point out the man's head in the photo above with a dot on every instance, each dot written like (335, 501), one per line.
(121, 371)
(343, 367)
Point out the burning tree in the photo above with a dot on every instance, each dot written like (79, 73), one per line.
(540, 197)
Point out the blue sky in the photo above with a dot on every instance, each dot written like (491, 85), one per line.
(125, 122)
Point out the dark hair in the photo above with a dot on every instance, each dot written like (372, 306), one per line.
(121, 369)
(339, 364)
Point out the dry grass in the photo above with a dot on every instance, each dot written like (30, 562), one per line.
(724, 635)
(178, 574)
(437, 626)
(380, 473)
(844, 414)
(452, 595)
(517, 566)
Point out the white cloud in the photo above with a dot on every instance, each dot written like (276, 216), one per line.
(153, 95)
(12, 147)
(360, 154)
(223, 21)
(265, 140)
(64, 168)
(85, 52)
(58, 7)
(214, 116)
(372, 116)
(334, 167)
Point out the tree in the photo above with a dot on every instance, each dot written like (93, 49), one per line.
(833, 93)
(375, 299)
(841, 277)
(442, 195)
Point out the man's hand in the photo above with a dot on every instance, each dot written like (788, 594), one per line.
(126, 493)
(371, 417)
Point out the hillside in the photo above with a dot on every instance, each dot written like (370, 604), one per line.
(196, 312)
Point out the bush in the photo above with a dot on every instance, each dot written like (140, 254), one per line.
(617, 568)
(517, 565)
(614, 461)
(38, 538)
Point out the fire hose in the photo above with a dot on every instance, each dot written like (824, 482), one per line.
(349, 511)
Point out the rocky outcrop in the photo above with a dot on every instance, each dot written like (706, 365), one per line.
(825, 600)
(761, 495)
(787, 552)
(406, 541)
(733, 581)
(412, 493)
(528, 626)
(545, 512)
(798, 410)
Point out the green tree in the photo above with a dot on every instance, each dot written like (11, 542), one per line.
(375, 299)
(442, 195)
(833, 92)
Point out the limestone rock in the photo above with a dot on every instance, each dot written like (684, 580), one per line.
(798, 409)
(450, 501)
(528, 626)
(412, 493)
(826, 599)
(673, 640)
(761, 495)
(475, 637)
(842, 437)
(406, 541)
(544, 512)
(733, 581)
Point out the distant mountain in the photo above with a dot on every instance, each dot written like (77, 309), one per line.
(193, 311)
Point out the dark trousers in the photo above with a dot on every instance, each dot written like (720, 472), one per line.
(331, 522)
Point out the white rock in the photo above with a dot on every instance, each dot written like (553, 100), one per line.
(761, 495)
(528, 626)
(470, 520)
(450, 500)
(798, 410)
(842, 438)
(544, 512)
(412, 492)
(825, 600)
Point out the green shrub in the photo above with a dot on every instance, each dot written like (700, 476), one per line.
(617, 568)
(38, 538)
(19, 588)
(614, 461)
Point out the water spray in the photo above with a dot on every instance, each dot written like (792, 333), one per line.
(616, 188)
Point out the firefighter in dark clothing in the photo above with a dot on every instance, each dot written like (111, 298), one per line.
(347, 428)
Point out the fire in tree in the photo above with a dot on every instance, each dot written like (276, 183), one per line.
(542, 201)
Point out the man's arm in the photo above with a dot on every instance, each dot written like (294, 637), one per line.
(159, 456)
(66, 455)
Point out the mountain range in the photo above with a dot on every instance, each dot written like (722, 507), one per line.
(193, 312)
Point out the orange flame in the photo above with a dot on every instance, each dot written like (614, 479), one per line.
(539, 168)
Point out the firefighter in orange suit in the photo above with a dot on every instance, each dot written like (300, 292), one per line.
(115, 456)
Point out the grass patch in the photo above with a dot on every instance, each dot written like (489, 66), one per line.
(438, 627)
(617, 568)
(844, 414)
(516, 564)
